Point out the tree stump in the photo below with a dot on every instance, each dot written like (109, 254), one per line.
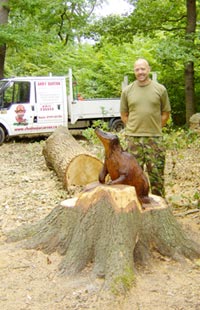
(107, 227)
(71, 162)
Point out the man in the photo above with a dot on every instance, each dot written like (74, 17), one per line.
(145, 109)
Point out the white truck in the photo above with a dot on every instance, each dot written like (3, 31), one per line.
(38, 105)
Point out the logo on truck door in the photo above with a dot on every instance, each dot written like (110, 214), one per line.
(20, 115)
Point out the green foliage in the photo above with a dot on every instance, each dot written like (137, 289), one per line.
(147, 17)
(174, 138)
(100, 72)
(37, 33)
(180, 138)
(159, 15)
(89, 133)
(105, 30)
(59, 20)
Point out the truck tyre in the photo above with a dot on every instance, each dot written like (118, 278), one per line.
(2, 135)
(117, 125)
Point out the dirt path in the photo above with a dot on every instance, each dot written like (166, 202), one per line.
(30, 279)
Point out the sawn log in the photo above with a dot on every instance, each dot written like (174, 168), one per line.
(72, 163)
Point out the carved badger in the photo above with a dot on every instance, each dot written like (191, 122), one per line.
(122, 166)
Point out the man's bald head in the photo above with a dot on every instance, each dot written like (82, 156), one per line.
(142, 70)
(141, 61)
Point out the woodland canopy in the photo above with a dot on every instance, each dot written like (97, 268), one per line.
(38, 37)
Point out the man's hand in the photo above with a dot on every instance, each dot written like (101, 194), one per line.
(164, 118)
(124, 117)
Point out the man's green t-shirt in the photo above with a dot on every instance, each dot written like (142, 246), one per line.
(144, 105)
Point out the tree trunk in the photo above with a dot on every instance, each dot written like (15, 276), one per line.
(189, 66)
(71, 162)
(3, 20)
(107, 227)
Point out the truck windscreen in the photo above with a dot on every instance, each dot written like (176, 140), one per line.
(2, 85)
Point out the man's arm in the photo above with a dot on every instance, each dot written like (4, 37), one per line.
(164, 118)
(124, 117)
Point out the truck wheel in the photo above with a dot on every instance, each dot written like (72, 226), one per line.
(2, 135)
(117, 125)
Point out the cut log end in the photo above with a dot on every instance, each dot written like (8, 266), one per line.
(72, 163)
(83, 169)
(122, 198)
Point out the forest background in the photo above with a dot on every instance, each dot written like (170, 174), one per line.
(39, 37)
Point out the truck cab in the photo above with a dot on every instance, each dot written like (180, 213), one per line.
(31, 105)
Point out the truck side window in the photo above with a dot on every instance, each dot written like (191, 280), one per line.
(18, 92)
(21, 92)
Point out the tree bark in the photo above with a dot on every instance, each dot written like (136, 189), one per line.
(189, 66)
(107, 227)
(71, 162)
(4, 11)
